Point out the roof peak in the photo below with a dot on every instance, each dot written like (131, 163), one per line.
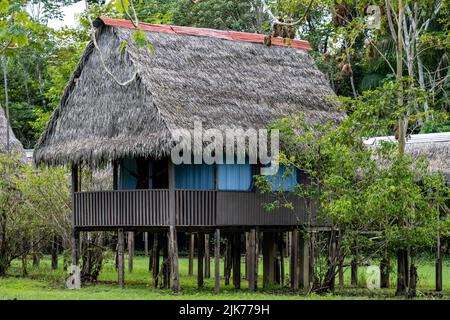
(205, 32)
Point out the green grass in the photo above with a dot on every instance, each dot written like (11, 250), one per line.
(42, 283)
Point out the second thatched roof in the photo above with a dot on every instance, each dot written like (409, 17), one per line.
(15, 147)
(223, 79)
(435, 147)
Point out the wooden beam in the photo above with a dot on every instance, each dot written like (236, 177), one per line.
(305, 261)
(207, 258)
(252, 272)
(130, 251)
(217, 261)
(191, 253)
(75, 233)
(237, 260)
(294, 259)
(155, 260)
(200, 256)
(173, 243)
(281, 251)
(146, 244)
(269, 258)
(120, 257)
(228, 260)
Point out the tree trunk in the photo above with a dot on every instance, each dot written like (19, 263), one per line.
(412, 281)
(24, 265)
(402, 272)
(54, 253)
(384, 272)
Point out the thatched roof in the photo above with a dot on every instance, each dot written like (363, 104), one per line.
(14, 144)
(434, 146)
(224, 79)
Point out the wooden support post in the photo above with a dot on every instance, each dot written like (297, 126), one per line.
(305, 261)
(228, 260)
(247, 257)
(120, 257)
(251, 256)
(191, 253)
(217, 261)
(173, 242)
(438, 265)
(200, 256)
(165, 265)
(207, 258)
(281, 251)
(75, 246)
(130, 251)
(75, 233)
(155, 260)
(269, 258)
(294, 268)
(237, 260)
(146, 244)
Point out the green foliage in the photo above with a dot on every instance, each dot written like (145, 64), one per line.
(220, 14)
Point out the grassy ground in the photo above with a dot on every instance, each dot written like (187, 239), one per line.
(42, 283)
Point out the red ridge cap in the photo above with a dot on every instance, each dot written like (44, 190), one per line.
(204, 32)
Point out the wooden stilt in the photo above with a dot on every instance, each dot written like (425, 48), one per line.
(228, 260)
(75, 246)
(247, 257)
(173, 242)
(200, 256)
(269, 258)
(130, 251)
(146, 244)
(281, 250)
(251, 256)
(165, 265)
(191, 253)
(217, 261)
(120, 257)
(294, 268)
(155, 260)
(207, 258)
(305, 261)
(237, 260)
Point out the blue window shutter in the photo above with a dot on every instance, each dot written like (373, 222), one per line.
(127, 180)
(281, 182)
(237, 177)
(194, 176)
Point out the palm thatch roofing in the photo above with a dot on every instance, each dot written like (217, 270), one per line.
(435, 147)
(223, 79)
(15, 146)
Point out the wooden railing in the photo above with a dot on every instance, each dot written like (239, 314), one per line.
(150, 208)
